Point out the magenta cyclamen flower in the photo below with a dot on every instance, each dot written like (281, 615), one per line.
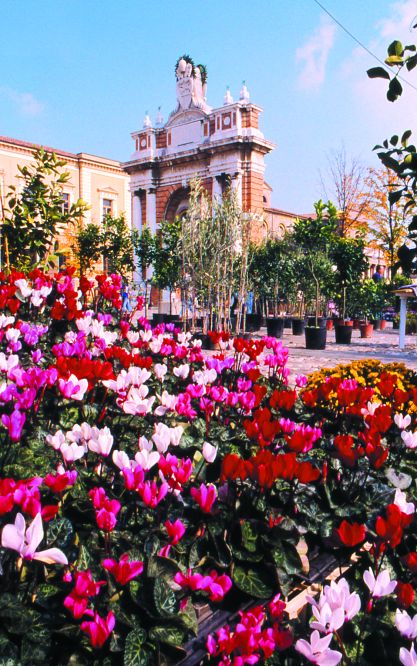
(25, 541)
(205, 496)
(216, 586)
(175, 531)
(14, 424)
(124, 570)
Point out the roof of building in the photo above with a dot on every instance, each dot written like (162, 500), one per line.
(74, 156)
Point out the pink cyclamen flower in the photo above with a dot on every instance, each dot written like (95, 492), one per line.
(317, 650)
(99, 629)
(408, 657)
(124, 570)
(409, 439)
(73, 387)
(14, 424)
(406, 625)
(402, 421)
(400, 500)
(205, 496)
(209, 452)
(175, 531)
(327, 620)
(300, 381)
(380, 586)
(25, 541)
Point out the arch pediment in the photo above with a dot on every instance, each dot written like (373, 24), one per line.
(181, 117)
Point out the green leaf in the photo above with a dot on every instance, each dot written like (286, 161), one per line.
(395, 48)
(168, 634)
(252, 582)
(405, 137)
(60, 532)
(411, 62)
(394, 90)
(394, 140)
(135, 654)
(165, 600)
(188, 617)
(286, 557)
(249, 536)
(378, 73)
(394, 197)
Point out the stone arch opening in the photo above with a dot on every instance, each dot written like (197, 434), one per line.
(177, 204)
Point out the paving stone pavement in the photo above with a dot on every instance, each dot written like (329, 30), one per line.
(383, 345)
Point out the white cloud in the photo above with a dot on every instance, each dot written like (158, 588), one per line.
(25, 103)
(402, 18)
(314, 55)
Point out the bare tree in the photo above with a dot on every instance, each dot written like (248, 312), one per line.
(344, 183)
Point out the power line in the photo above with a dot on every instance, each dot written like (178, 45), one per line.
(355, 39)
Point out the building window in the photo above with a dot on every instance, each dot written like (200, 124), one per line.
(65, 203)
(107, 207)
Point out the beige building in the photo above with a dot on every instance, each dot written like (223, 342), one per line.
(101, 182)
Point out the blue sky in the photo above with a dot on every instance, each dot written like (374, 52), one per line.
(79, 75)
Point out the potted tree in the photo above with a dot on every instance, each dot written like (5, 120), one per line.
(313, 238)
(350, 264)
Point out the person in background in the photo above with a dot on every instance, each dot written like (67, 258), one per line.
(379, 274)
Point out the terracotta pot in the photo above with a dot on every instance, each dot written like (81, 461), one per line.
(383, 324)
(356, 324)
(366, 330)
(329, 324)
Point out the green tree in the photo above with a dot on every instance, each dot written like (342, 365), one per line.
(87, 246)
(398, 154)
(117, 245)
(166, 261)
(34, 215)
(272, 273)
(347, 255)
(313, 239)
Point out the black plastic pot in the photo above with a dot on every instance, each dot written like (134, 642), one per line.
(315, 337)
(275, 327)
(343, 334)
(287, 322)
(298, 326)
(253, 322)
(321, 321)
(158, 318)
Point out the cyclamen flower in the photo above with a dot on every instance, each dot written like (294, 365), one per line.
(216, 586)
(71, 452)
(402, 421)
(409, 439)
(380, 586)
(60, 481)
(338, 595)
(408, 657)
(400, 500)
(124, 570)
(182, 371)
(14, 424)
(85, 586)
(209, 452)
(73, 387)
(205, 496)
(175, 531)
(327, 620)
(406, 625)
(26, 540)
(99, 629)
(160, 370)
(317, 650)
(147, 459)
(121, 459)
(101, 441)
